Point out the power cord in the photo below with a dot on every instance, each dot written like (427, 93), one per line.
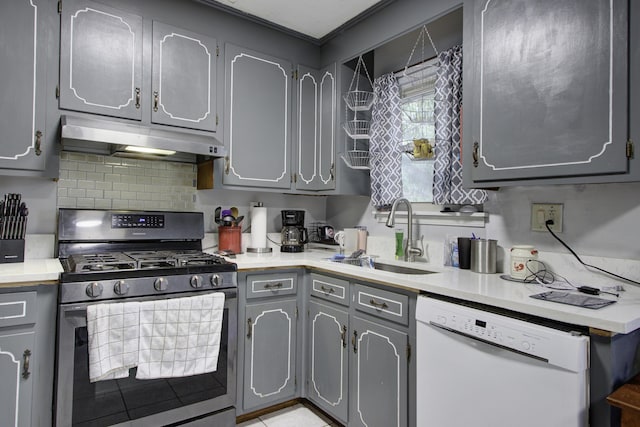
(587, 289)
(547, 278)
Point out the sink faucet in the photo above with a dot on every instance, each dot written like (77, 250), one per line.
(410, 252)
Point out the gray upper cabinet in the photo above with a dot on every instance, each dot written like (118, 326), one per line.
(184, 78)
(549, 90)
(315, 128)
(379, 374)
(634, 88)
(23, 51)
(257, 120)
(100, 60)
(327, 377)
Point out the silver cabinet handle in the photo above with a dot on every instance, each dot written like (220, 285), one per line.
(38, 142)
(327, 290)
(476, 148)
(378, 305)
(25, 364)
(354, 341)
(273, 285)
(155, 100)
(343, 336)
(227, 165)
(138, 98)
(249, 328)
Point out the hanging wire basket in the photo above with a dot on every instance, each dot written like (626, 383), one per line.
(356, 98)
(359, 100)
(357, 129)
(356, 159)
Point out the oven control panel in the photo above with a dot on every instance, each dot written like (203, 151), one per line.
(128, 220)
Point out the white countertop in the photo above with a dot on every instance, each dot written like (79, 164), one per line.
(30, 271)
(490, 289)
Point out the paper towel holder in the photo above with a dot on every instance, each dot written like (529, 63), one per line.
(259, 250)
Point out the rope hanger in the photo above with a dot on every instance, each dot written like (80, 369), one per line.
(422, 36)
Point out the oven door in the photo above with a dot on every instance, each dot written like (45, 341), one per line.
(132, 402)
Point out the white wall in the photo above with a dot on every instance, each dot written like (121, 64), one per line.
(601, 223)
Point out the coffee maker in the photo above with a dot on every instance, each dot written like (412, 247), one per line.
(293, 234)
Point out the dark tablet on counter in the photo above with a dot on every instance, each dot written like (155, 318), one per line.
(579, 300)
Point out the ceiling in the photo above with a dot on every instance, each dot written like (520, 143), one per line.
(317, 20)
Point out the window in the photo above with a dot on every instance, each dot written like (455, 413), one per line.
(417, 94)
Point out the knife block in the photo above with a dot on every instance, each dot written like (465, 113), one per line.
(11, 251)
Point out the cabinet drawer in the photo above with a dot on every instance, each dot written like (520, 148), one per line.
(265, 285)
(17, 309)
(380, 303)
(330, 289)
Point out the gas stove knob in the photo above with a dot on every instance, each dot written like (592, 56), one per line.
(196, 282)
(216, 280)
(121, 287)
(160, 284)
(94, 289)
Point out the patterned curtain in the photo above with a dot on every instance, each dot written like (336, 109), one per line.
(384, 143)
(447, 174)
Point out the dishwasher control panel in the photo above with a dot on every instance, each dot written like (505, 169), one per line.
(485, 328)
(538, 341)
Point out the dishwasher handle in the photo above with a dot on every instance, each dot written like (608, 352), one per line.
(493, 344)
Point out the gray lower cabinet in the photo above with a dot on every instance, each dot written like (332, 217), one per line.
(315, 128)
(328, 363)
(17, 339)
(358, 352)
(267, 341)
(24, 35)
(546, 91)
(378, 385)
(270, 356)
(258, 119)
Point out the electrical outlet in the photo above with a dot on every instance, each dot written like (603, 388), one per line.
(541, 212)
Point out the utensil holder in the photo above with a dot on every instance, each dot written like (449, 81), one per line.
(11, 251)
(230, 239)
(483, 255)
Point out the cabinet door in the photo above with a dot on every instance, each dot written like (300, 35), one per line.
(315, 128)
(327, 379)
(550, 89)
(23, 52)
(15, 377)
(378, 379)
(184, 78)
(270, 356)
(100, 60)
(258, 127)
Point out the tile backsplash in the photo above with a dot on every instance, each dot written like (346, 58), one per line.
(107, 182)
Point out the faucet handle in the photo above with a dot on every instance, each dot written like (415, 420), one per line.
(416, 248)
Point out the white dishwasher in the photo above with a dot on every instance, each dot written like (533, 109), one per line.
(481, 369)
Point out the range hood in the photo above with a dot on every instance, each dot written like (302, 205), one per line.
(91, 135)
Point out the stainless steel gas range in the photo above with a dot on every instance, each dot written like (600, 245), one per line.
(118, 256)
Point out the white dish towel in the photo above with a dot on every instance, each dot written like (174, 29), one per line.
(113, 339)
(180, 337)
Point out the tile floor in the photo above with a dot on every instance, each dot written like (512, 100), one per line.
(293, 416)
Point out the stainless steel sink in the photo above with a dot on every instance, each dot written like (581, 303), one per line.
(400, 269)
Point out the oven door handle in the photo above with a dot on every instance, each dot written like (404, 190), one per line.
(80, 309)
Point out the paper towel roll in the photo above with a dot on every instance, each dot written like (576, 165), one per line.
(259, 227)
